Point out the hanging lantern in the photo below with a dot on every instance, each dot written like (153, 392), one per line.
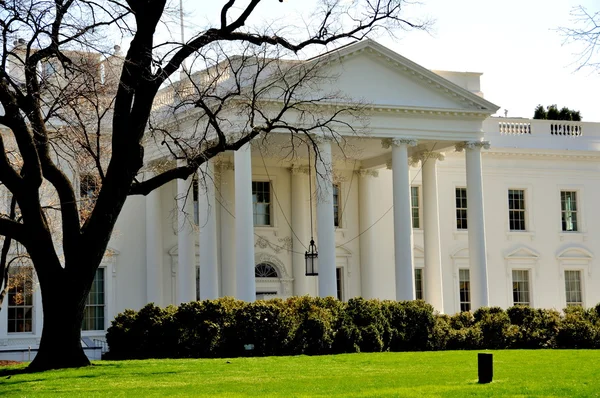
(311, 257)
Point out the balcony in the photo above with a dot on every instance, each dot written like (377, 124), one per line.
(542, 134)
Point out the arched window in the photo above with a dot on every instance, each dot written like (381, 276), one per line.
(265, 270)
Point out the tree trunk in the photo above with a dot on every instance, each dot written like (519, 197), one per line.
(63, 304)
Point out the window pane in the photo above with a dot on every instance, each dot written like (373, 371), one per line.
(419, 283)
(336, 205)
(516, 213)
(464, 289)
(573, 288)
(20, 299)
(568, 206)
(521, 287)
(93, 314)
(414, 200)
(339, 283)
(461, 208)
(261, 202)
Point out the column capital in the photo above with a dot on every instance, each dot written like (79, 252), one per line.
(367, 173)
(426, 156)
(390, 142)
(472, 145)
(320, 138)
(297, 170)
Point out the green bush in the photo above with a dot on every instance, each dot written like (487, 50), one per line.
(263, 325)
(315, 322)
(318, 326)
(534, 328)
(494, 324)
(152, 332)
(364, 327)
(576, 329)
(204, 326)
(411, 325)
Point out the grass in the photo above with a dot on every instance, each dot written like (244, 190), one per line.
(448, 373)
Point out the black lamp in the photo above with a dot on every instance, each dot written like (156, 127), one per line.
(311, 256)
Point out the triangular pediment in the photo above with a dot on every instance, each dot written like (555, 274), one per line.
(522, 253)
(372, 73)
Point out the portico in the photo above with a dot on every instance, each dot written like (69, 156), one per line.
(258, 204)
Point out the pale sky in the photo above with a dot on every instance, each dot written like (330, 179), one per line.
(514, 43)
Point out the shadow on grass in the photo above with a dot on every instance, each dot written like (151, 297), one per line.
(26, 370)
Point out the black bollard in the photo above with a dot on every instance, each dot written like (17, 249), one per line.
(485, 368)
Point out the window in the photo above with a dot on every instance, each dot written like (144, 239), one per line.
(336, 205)
(516, 209)
(264, 270)
(521, 287)
(339, 282)
(93, 315)
(261, 203)
(195, 197)
(20, 299)
(88, 187)
(573, 288)
(419, 283)
(568, 207)
(414, 205)
(464, 288)
(461, 208)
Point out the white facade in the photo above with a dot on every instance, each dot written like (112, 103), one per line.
(428, 137)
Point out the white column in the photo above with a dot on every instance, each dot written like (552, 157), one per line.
(476, 225)
(301, 228)
(403, 234)
(227, 232)
(186, 270)
(431, 225)
(325, 227)
(209, 276)
(154, 248)
(244, 226)
(367, 203)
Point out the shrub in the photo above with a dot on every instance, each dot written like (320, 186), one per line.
(364, 327)
(576, 330)
(204, 325)
(152, 332)
(534, 328)
(411, 325)
(494, 324)
(315, 321)
(264, 325)
(313, 326)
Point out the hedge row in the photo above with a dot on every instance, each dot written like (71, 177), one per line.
(309, 325)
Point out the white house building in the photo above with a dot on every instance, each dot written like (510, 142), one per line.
(437, 200)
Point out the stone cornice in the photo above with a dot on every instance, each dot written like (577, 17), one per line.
(297, 170)
(566, 155)
(387, 143)
(472, 145)
(367, 173)
(425, 156)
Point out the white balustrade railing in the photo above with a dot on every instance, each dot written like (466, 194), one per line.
(572, 129)
(518, 128)
(539, 128)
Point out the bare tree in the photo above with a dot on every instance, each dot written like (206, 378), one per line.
(585, 31)
(72, 107)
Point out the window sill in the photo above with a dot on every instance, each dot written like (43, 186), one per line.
(460, 233)
(267, 228)
(573, 236)
(520, 235)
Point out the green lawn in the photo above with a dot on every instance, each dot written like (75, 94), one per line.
(449, 373)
